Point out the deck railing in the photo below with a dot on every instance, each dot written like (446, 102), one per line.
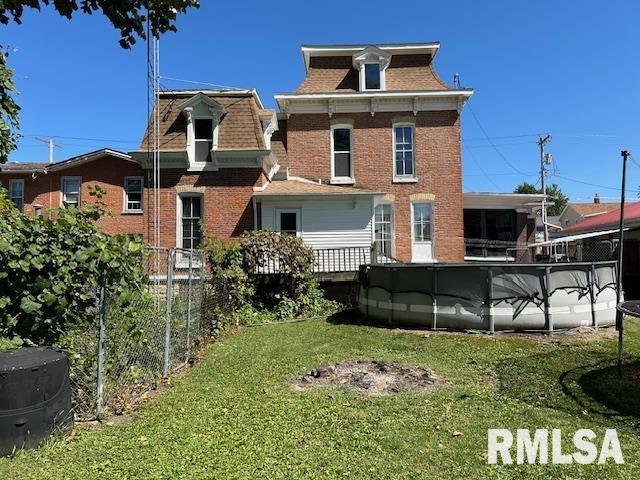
(335, 260)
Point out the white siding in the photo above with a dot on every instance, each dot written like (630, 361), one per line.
(327, 223)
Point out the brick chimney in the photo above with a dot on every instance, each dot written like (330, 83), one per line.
(596, 198)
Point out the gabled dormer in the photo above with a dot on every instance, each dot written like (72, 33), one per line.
(210, 130)
(371, 65)
(203, 116)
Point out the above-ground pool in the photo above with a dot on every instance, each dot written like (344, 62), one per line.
(491, 296)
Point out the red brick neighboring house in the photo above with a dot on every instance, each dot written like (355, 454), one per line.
(36, 188)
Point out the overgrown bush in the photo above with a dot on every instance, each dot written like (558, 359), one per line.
(252, 297)
(51, 270)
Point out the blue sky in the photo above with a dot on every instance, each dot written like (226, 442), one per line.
(569, 68)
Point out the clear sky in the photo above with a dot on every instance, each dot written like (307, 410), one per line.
(570, 68)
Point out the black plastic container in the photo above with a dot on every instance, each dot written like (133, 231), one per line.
(35, 397)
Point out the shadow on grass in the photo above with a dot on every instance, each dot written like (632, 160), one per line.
(621, 395)
(579, 381)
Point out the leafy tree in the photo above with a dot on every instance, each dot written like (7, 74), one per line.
(554, 192)
(130, 17)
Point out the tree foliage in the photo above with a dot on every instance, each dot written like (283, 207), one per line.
(51, 270)
(554, 192)
(129, 17)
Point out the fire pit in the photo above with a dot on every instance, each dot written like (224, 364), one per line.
(373, 378)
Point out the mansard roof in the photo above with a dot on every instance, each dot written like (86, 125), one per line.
(240, 126)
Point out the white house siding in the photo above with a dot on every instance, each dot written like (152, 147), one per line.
(330, 224)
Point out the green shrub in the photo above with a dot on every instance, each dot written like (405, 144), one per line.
(51, 270)
(252, 297)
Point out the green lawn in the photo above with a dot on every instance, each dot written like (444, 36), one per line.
(233, 416)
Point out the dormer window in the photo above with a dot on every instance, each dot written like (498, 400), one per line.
(371, 64)
(203, 136)
(372, 76)
(203, 115)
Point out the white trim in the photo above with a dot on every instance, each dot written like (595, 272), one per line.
(379, 94)
(309, 51)
(70, 177)
(350, 180)
(404, 177)
(12, 182)
(179, 197)
(392, 210)
(432, 225)
(384, 101)
(125, 193)
(298, 211)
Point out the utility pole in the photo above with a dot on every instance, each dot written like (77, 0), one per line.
(542, 141)
(619, 316)
(49, 141)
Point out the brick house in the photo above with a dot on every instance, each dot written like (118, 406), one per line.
(366, 150)
(36, 188)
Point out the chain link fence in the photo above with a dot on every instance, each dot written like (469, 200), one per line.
(142, 337)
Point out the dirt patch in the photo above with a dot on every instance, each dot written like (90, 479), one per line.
(373, 378)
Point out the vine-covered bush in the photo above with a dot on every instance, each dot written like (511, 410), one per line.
(51, 270)
(253, 297)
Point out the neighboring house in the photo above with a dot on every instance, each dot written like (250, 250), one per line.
(366, 150)
(498, 226)
(576, 212)
(597, 235)
(36, 188)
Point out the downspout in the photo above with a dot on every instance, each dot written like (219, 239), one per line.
(255, 213)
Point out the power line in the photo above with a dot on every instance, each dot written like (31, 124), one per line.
(82, 138)
(482, 169)
(514, 168)
(194, 82)
(569, 179)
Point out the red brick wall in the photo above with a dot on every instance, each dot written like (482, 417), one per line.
(227, 201)
(107, 172)
(437, 166)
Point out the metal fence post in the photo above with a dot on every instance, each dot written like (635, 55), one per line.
(167, 332)
(592, 280)
(190, 281)
(547, 307)
(435, 298)
(489, 301)
(101, 355)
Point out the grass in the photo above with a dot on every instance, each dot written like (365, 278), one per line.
(233, 416)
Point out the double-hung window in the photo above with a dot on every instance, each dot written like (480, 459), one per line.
(133, 194)
(341, 153)
(191, 218)
(203, 136)
(372, 76)
(16, 193)
(422, 213)
(383, 224)
(403, 148)
(70, 191)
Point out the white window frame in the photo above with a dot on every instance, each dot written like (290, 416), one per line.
(213, 140)
(179, 197)
(125, 191)
(62, 193)
(413, 219)
(17, 181)
(297, 211)
(412, 178)
(363, 74)
(391, 222)
(342, 180)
